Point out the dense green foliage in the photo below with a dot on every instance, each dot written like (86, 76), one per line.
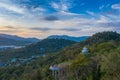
(41, 48)
(102, 63)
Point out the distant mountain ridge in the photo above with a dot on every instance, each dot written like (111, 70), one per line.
(77, 39)
(6, 39)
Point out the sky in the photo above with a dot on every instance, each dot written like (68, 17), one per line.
(41, 18)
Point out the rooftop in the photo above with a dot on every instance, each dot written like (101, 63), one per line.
(59, 66)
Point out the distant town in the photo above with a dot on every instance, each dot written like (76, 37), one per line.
(16, 62)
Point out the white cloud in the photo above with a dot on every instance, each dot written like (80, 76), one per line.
(60, 6)
(55, 5)
(69, 13)
(63, 8)
(39, 9)
(103, 19)
(116, 6)
(13, 8)
(90, 13)
(36, 11)
(114, 17)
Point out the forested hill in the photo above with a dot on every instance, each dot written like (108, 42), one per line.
(102, 62)
(108, 40)
(43, 47)
(103, 37)
(104, 51)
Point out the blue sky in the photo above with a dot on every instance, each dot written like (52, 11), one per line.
(41, 18)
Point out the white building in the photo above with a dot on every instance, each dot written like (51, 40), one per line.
(85, 50)
(59, 71)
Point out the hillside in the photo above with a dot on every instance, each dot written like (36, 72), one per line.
(77, 39)
(103, 37)
(102, 62)
(109, 38)
(100, 38)
(43, 47)
(6, 39)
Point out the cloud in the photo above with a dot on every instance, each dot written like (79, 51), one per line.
(51, 18)
(41, 29)
(90, 13)
(55, 6)
(8, 31)
(38, 9)
(116, 6)
(104, 6)
(70, 29)
(103, 19)
(55, 29)
(9, 27)
(60, 6)
(111, 24)
(63, 7)
(12, 7)
(69, 13)
(17, 10)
